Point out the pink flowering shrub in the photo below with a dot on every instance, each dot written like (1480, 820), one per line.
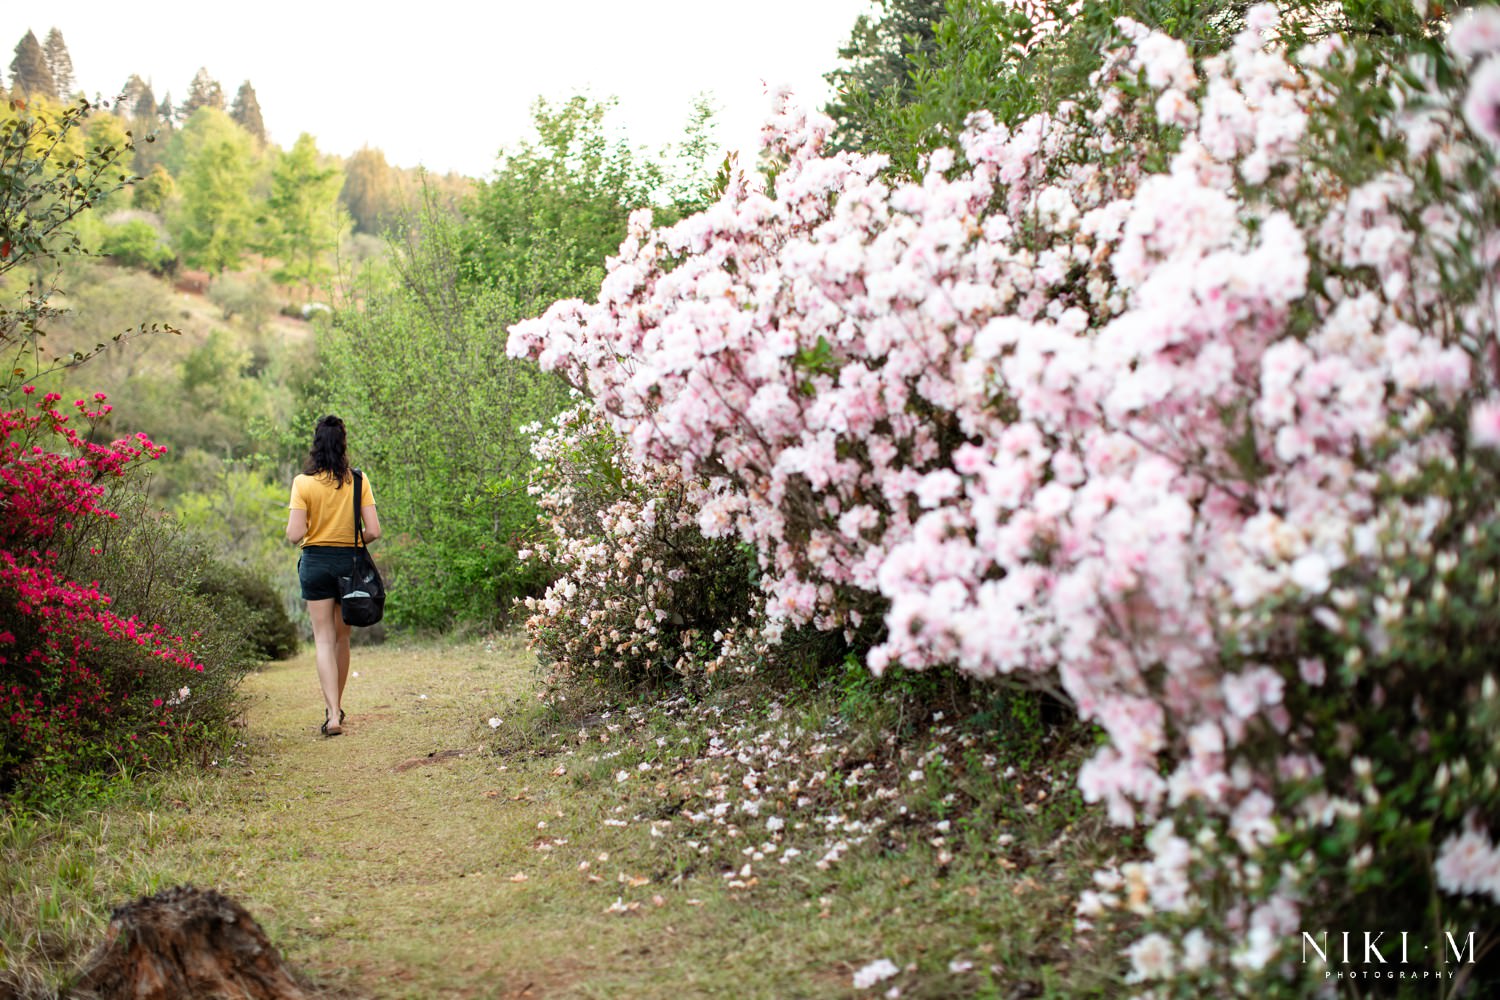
(639, 593)
(1179, 401)
(80, 684)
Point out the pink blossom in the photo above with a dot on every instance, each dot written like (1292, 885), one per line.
(1152, 957)
(1469, 863)
(1482, 105)
(1484, 424)
(1475, 32)
(1312, 671)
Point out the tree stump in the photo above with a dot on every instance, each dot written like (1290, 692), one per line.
(186, 944)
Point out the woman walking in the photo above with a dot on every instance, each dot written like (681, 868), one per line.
(322, 520)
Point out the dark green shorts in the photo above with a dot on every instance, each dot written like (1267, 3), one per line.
(319, 569)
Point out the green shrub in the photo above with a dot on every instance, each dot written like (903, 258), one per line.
(136, 243)
(250, 297)
(232, 589)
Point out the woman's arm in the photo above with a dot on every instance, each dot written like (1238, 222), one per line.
(372, 522)
(296, 525)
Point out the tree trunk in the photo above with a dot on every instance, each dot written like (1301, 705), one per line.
(186, 944)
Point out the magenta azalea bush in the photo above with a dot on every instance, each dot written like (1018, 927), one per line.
(80, 684)
(1180, 402)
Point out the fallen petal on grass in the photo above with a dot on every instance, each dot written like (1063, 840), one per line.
(877, 971)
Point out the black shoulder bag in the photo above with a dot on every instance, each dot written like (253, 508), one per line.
(362, 592)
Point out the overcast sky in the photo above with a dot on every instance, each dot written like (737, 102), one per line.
(448, 83)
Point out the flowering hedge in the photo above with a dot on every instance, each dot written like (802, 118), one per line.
(1179, 400)
(639, 593)
(79, 683)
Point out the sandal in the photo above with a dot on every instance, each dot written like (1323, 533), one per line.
(338, 729)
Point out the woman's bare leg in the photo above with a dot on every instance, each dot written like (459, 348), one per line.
(326, 626)
(343, 631)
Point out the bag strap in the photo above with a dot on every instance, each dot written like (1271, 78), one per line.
(359, 525)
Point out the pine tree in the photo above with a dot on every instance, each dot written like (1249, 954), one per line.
(137, 99)
(878, 60)
(29, 72)
(203, 92)
(145, 106)
(130, 93)
(166, 111)
(60, 63)
(151, 122)
(246, 111)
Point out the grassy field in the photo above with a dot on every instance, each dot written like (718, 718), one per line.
(463, 840)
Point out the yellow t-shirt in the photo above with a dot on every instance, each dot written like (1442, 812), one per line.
(330, 511)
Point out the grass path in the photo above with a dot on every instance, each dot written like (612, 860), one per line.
(402, 859)
(378, 870)
(425, 856)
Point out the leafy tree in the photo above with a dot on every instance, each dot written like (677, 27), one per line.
(542, 227)
(370, 191)
(452, 192)
(151, 192)
(146, 109)
(60, 63)
(1009, 59)
(685, 176)
(417, 361)
(203, 92)
(108, 131)
(303, 216)
(246, 111)
(250, 299)
(29, 71)
(218, 362)
(214, 223)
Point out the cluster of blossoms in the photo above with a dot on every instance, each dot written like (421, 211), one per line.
(55, 693)
(45, 489)
(1209, 451)
(638, 589)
